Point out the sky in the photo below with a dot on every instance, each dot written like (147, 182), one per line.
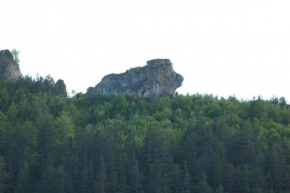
(224, 48)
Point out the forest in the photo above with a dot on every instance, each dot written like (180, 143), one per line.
(51, 143)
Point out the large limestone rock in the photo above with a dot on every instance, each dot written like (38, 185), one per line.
(9, 69)
(154, 80)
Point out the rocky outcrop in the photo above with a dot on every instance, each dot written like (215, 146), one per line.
(9, 69)
(59, 89)
(154, 80)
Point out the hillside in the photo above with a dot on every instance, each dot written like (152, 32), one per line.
(95, 144)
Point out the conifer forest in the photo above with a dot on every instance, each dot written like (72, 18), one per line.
(91, 143)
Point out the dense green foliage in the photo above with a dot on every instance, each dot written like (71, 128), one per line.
(98, 144)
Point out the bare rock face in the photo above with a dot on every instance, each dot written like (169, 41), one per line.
(9, 69)
(154, 80)
(60, 89)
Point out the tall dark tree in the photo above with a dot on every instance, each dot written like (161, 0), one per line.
(101, 177)
(54, 180)
(3, 176)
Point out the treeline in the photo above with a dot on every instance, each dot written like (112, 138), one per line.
(95, 144)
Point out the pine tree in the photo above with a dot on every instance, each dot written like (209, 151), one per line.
(185, 184)
(135, 180)
(203, 187)
(220, 189)
(3, 176)
(15, 54)
(113, 183)
(54, 180)
(101, 177)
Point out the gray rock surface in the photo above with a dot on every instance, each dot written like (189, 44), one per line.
(9, 69)
(154, 80)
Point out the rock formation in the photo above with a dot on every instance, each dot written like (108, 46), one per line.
(154, 80)
(9, 69)
(59, 89)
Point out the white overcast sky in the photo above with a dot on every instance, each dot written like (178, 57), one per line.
(233, 47)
